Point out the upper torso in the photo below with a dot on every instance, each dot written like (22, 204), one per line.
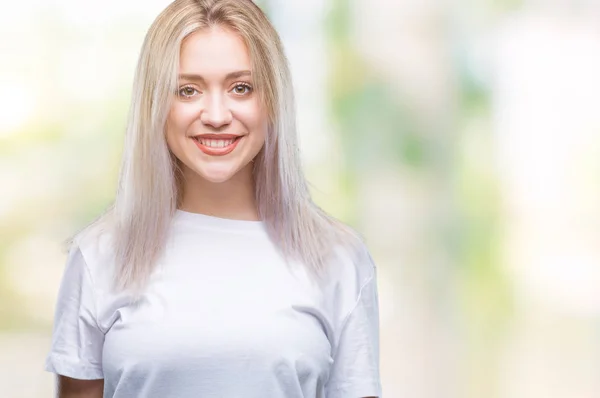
(222, 316)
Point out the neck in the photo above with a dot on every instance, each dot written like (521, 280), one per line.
(233, 199)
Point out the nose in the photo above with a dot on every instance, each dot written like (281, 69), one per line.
(216, 113)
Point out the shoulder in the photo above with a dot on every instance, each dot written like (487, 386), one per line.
(95, 247)
(349, 260)
(351, 265)
(351, 272)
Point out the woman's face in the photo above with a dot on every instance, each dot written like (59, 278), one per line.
(217, 123)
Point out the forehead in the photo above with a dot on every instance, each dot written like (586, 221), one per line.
(213, 51)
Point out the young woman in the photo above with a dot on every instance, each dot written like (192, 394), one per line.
(214, 274)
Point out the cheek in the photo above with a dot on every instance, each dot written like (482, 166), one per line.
(176, 127)
(181, 117)
(254, 118)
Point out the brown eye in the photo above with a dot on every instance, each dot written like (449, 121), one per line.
(187, 92)
(242, 89)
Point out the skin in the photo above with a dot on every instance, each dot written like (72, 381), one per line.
(73, 388)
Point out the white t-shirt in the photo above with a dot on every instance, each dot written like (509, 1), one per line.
(223, 316)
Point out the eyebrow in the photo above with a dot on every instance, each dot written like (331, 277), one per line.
(232, 75)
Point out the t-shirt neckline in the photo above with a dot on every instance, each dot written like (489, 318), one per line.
(219, 222)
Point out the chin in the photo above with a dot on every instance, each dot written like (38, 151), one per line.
(216, 176)
(216, 179)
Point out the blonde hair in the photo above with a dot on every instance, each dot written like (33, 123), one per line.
(150, 186)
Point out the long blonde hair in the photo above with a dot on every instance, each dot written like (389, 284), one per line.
(149, 189)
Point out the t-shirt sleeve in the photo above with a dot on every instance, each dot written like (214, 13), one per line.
(77, 341)
(355, 369)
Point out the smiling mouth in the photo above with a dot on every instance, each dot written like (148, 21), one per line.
(217, 145)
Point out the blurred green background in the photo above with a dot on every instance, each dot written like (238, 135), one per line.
(461, 138)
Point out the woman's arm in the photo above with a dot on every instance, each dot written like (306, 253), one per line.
(75, 388)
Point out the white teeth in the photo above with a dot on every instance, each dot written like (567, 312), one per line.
(215, 143)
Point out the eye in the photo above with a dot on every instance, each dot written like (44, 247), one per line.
(187, 92)
(242, 88)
